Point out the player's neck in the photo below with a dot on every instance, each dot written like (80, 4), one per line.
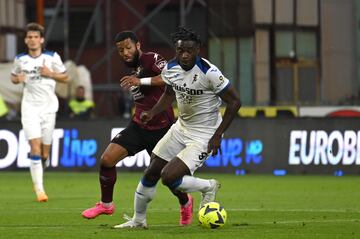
(34, 52)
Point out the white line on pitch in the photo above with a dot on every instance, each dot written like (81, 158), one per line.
(311, 221)
(227, 209)
(175, 225)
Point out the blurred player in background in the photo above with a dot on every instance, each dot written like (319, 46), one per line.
(137, 136)
(80, 107)
(198, 87)
(38, 70)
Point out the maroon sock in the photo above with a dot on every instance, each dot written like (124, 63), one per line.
(107, 178)
(182, 197)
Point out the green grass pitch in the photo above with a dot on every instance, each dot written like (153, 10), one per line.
(257, 207)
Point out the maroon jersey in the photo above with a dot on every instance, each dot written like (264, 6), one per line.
(145, 97)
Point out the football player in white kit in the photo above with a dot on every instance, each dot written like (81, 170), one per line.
(38, 70)
(199, 89)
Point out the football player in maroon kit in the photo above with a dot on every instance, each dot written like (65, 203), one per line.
(138, 136)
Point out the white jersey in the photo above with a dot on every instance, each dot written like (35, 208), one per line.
(39, 92)
(197, 94)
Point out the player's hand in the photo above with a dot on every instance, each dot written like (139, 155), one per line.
(127, 81)
(21, 77)
(45, 71)
(146, 116)
(214, 145)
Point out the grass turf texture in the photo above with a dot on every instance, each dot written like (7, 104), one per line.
(257, 207)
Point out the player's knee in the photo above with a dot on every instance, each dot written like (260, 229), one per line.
(35, 150)
(106, 160)
(166, 178)
(151, 176)
(44, 156)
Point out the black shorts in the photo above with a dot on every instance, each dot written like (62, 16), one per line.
(135, 139)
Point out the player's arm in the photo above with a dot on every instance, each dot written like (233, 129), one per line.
(18, 78)
(230, 97)
(59, 77)
(164, 102)
(128, 81)
(17, 75)
(156, 63)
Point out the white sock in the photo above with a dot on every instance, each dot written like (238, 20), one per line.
(143, 197)
(192, 184)
(187, 204)
(36, 171)
(107, 204)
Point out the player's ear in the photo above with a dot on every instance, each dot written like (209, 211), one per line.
(197, 50)
(42, 40)
(138, 46)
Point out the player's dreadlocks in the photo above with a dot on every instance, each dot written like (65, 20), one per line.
(185, 35)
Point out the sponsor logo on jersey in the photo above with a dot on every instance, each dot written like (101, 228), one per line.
(187, 90)
(35, 71)
(136, 93)
(221, 79)
(160, 64)
(138, 69)
(33, 75)
(174, 76)
(194, 79)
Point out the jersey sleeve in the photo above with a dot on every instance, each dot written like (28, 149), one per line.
(16, 68)
(158, 64)
(218, 82)
(165, 75)
(57, 64)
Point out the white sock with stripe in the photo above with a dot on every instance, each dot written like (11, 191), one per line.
(192, 184)
(36, 171)
(143, 197)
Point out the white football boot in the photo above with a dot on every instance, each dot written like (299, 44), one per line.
(131, 223)
(210, 195)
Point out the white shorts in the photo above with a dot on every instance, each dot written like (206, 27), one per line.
(39, 126)
(178, 142)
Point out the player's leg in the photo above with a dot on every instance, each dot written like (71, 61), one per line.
(107, 175)
(124, 144)
(152, 174)
(107, 178)
(146, 188)
(36, 169)
(177, 174)
(45, 153)
(169, 146)
(41, 147)
(32, 129)
(39, 172)
(144, 193)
